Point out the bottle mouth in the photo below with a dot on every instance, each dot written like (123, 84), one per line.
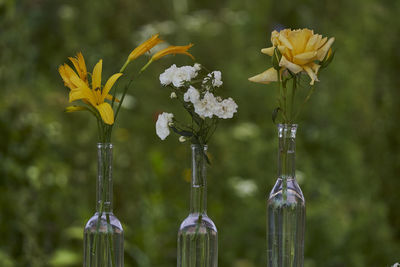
(287, 125)
(198, 146)
(287, 130)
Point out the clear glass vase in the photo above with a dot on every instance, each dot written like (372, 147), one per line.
(103, 234)
(197, 237)
(286, 211)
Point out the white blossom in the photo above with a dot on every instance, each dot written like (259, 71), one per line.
(173, 95)
(207, 106)
(216, 77)
(226, 109)
(182, 139)
(167, 76)
(162, 124)
(191, 95)
(197, 66)
(177, 76)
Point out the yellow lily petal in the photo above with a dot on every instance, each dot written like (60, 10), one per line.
(304, 58)
(74, 108)
(65, 76)
(324, 49)
(144, 47)
(289, 65)
(78, 82)
(167, 51)
(96, 76)
(312, 75)
(106, 113)
(173, 50)
(268, 51)
(80, 66)
(270, 75)
(83, 93)
(109, 84)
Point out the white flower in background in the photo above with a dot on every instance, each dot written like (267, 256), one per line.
(177, 76)
(197, 66)
(216, 77)
(162, 124)
(226, 109)
(173, 95)
(206, 106)
(191, 95)
(396, 265)
(182, 139)
(167, 76)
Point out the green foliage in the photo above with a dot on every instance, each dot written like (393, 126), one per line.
(348, 139)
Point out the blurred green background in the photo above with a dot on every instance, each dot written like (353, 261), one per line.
(348, 148)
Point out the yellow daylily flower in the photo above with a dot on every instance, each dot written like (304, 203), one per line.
(141, 49)
(94, 96)
(300, 49)
(145, 47)
(171, 50)
(67, 72)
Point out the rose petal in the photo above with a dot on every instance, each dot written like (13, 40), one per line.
(324, 49)
(268, 51)
(289, 65)
(270, 75)
(312, 75)
(304, 58)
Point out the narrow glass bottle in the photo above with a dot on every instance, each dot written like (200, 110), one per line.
(197, 237)
(286, 207)
(103, 234)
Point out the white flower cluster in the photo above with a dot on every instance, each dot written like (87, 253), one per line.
(205, 104)
(177, 76)
(209, 105)
(216, 77)
(162, 124)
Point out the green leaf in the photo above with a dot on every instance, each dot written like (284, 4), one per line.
(276, 58)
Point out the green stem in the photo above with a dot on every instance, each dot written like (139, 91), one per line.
(310, 92)
(124, 66)
(294, 87)
(122, 99)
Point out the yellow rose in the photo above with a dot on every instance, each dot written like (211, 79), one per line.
(301, 50)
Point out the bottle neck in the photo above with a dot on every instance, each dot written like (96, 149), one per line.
(287, 151)
(104, 178)
(198, 199)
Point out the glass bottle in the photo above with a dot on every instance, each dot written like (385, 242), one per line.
(286, 207)
(197, 237)
(103, 234)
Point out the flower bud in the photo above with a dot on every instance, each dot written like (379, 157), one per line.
(173, 95)
(182, 139)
